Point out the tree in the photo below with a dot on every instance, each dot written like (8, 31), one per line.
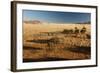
(76, 30)
(83, 30)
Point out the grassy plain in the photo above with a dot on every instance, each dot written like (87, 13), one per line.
(46, 42)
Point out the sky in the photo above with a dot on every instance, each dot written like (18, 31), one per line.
(55, 16)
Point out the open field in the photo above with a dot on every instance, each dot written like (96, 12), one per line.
(51, 42)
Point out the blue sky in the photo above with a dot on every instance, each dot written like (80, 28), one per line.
(56, 17)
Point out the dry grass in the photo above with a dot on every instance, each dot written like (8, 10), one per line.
(70, 48)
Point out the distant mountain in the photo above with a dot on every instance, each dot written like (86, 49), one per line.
(33, 22)
(84, 22)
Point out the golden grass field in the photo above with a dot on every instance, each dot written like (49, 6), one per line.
(38, 45)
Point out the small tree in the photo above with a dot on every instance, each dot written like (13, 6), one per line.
(76, 30)
(83, 30)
